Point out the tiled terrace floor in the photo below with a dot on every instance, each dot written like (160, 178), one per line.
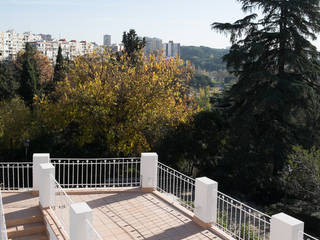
(20, 205)
(136, 215)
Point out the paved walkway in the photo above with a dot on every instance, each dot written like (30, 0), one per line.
(20, 205)
(135, 215)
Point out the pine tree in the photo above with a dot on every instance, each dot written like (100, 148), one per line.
(132, 44)
(271, 106)
(59, 69)
(30, 76)
(8, 82)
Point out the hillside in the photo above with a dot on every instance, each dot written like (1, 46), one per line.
(206, 58)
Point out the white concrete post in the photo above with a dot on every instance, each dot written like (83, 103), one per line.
(80, 213)
(38, 158)
(149, 171)
(47, 185)
(285, 227)
(205, 212)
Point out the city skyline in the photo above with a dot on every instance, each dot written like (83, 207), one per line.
(184, 21)
(181, 21)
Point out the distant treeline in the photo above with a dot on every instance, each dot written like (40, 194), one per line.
(206, 58)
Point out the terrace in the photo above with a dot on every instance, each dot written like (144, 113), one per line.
(126, 198)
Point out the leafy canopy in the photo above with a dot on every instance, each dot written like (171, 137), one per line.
(126, 107)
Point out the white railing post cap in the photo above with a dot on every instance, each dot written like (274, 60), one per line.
(80, 208)
(287, 219)
(206, 181)
(41, 156)
(149, 154)
(285, 227)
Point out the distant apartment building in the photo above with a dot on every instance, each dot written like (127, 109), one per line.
(107, 40)
(12, 42)
(70, 49)
(171, 49)
(153, 45)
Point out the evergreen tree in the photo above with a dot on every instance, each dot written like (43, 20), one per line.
(8, 82)
(59, 69)
(272, 105)
(132, 43)
(30, 76)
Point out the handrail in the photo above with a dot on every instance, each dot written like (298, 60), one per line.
(94, 235)
(97, 173)
(3, 228)
(306, 236)
(61, 210)
(177, 185)
(241, 221)
(16, 175)
(74, 159)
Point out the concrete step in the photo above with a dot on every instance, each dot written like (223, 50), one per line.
(40, 236)
(26, 229)
(20, 221)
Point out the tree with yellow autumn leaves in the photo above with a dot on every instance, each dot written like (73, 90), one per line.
(126, 107)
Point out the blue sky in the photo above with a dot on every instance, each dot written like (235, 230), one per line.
(184, 21)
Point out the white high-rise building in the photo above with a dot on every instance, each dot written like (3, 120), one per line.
(107, 40)
(171, 49)
(153, 45)
(11, 43)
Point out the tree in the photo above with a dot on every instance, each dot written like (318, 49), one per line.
(30, 76)
(122, 108)
(59, 68)
(278, 70)
(132, 43)
(8, 82)
(15, 126)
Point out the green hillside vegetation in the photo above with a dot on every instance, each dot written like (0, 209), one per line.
(206, 58)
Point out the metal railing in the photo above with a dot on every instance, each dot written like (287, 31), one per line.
(177, 185)
(97, 173)
(16, 175)
(240, 220)
(305, 236)
(3, 228)
(94, 235)
(61, 208)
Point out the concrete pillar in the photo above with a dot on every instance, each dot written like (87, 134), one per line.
(38, 158)
(47, 185)
(205, 212)
(80, 215)
(149, 171)
(285, 227)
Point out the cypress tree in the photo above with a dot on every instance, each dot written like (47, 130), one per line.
(30, 76)
(59, 69)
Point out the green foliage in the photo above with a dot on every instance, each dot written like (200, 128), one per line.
(8, 81)
(15, 126)
(60, 68)
(192, 148)
(132, 44)
(30, 76)
(203, 98)
(209, 59)
(302, 175)
(268, 110)
(199, 80)
(115, 105)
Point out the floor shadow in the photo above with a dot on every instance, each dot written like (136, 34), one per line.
(23, 213)
(112, 198)
(186, 230)
(17, 197)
